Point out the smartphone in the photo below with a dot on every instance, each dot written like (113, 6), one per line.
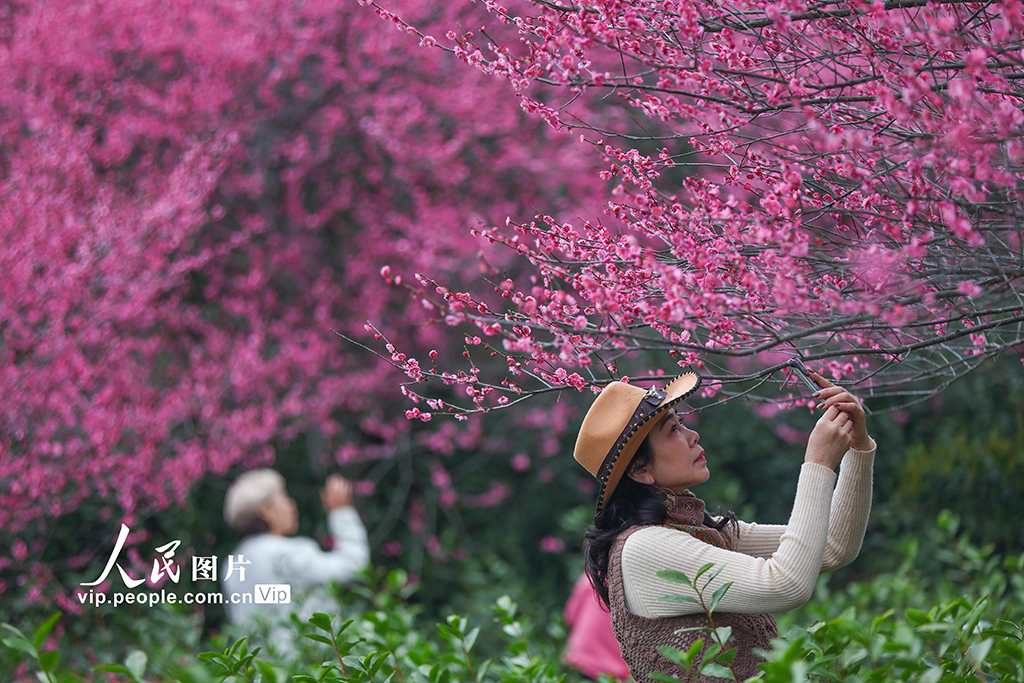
(801, 371)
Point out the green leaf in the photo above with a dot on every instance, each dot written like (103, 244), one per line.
(712, 576)
(114, 668)
(674, 576)
(917, 617)
(319, 638)
(880, 618)
(852, 655)
(691, 655)
(267, 672)
(678, 598)
(48, 660)
(136, 663)
(237, 650)
(23, 645)
(471, 637)
(321, 621)
(703, 570)
(718, 595)
(683, 659)
(999, 632)
(14, 631)
(717, 670)
(727, 656)
(44, 630)
(506, 607)
(979, 651)
(723, 633)
(397, 580)
(353, 662)
(663, 678)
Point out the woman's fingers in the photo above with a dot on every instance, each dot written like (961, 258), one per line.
(840, 397)
(845, 413)
(819, 380)
(830, 394)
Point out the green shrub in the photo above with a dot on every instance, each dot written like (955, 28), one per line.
(952, 613)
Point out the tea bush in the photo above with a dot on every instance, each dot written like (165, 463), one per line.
(952, 614)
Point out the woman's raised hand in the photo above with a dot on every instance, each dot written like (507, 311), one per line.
(830, 438)
(850, 405)
(336, 493)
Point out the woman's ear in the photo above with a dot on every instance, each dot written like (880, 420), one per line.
(266, 513)
(642, 475)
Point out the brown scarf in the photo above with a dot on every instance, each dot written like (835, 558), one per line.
(686, 513)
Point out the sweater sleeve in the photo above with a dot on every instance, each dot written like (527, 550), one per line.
(759, 585)
(851, 505)
(309, 566)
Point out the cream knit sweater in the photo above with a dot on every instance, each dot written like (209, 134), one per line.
(772, 567)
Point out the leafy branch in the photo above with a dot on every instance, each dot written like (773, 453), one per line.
(717, 658)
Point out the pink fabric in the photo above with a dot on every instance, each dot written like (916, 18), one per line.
(592, 648)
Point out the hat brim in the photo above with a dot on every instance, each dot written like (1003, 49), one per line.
(676, 391)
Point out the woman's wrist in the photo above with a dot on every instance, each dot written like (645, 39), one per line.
(863, 444)
(819, 461)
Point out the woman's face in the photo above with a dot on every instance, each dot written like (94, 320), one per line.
(678, 460)
(281, 514)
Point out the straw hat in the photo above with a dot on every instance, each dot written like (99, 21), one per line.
(617, 423)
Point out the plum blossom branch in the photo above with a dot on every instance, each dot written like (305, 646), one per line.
(841, 181)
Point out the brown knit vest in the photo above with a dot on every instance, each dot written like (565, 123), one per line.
(640, 637)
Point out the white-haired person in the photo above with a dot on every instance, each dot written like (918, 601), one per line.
(647, 521)
(258, 507)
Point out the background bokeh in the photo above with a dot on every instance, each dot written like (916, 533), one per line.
(202, 205)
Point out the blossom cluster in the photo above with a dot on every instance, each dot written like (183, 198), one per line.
(840, 182)
(198, 200)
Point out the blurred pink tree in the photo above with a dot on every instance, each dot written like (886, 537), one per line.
(197, 198)
(839, 181)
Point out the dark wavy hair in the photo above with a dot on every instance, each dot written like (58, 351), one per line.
(632, 504)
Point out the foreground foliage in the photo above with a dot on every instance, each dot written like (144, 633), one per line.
(964, 623)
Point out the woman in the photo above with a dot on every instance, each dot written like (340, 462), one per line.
(258, 507)
(647, 520)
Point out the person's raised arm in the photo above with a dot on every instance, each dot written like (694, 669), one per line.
(851, 502)
(351, 552)
(783, 581)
